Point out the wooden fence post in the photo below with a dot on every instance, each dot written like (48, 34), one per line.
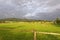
(34, 35)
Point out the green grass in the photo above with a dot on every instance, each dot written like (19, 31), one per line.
(7, 35)
(47, 37)
(45, 27)
(23, 31)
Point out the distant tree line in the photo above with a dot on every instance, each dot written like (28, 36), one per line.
(21, 20)
(56, 21)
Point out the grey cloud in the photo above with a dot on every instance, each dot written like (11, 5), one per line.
(54, 2)
(35, 9)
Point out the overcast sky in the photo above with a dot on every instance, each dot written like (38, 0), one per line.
(35, 9)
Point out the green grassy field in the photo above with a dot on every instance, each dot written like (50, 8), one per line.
(25, 26)
(23, 31)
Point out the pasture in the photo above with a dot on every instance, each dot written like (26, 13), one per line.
(24, 31)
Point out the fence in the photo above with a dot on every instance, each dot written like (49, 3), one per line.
(35, 34)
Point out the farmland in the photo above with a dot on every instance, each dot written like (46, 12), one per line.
(24, 31)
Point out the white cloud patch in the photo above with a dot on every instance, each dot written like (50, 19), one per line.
(37, 7)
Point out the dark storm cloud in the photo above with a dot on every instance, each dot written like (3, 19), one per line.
(35, 9)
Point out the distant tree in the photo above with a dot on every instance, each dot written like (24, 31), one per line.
(57, 21)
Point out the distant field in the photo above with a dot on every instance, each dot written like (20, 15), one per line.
(26, 26)
(23, 30)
